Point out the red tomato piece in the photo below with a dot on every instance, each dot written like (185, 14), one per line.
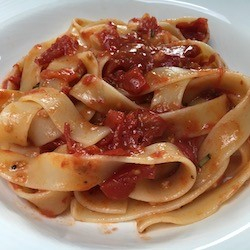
(126, 67)
(123, 182)
(137, 129)
(64, 45)
(185, 56)
(196, 30)
(114, 118)
(135, 55)
(109, 38)
(133, 82)
(148, 25)
(68, 75)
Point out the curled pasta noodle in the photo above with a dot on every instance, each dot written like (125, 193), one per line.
(120, 121)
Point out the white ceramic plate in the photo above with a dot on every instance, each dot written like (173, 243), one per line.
(25, 23)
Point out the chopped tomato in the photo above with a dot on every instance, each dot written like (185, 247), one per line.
(184, 56)
(133, 82)
(135, 55)
(196, 30)
(126, 67)
(112, 41)
(64, 45)
(114, 118)
(110, 38)
(123, 182)
(143, 127)
(148, 25)
(68, 75)
(133, 131)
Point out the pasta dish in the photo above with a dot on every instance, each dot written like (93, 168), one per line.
(139, 121)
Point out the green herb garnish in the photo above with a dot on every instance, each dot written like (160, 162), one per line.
(204, 160)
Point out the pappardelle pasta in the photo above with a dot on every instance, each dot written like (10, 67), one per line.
(120, 121)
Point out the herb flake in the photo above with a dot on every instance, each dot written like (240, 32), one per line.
(204, 160)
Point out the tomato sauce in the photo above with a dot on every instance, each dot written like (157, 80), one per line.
(131, 57)
(63, 46)
(184, 56)
(111, 41)
(109, 38)
(127, 67)
(73, 147)
(67, 75)
(149, 26)
(196, 30)
(123, 181)
(88, 80)
(133, 131)
(133, 81)
(133, 54)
